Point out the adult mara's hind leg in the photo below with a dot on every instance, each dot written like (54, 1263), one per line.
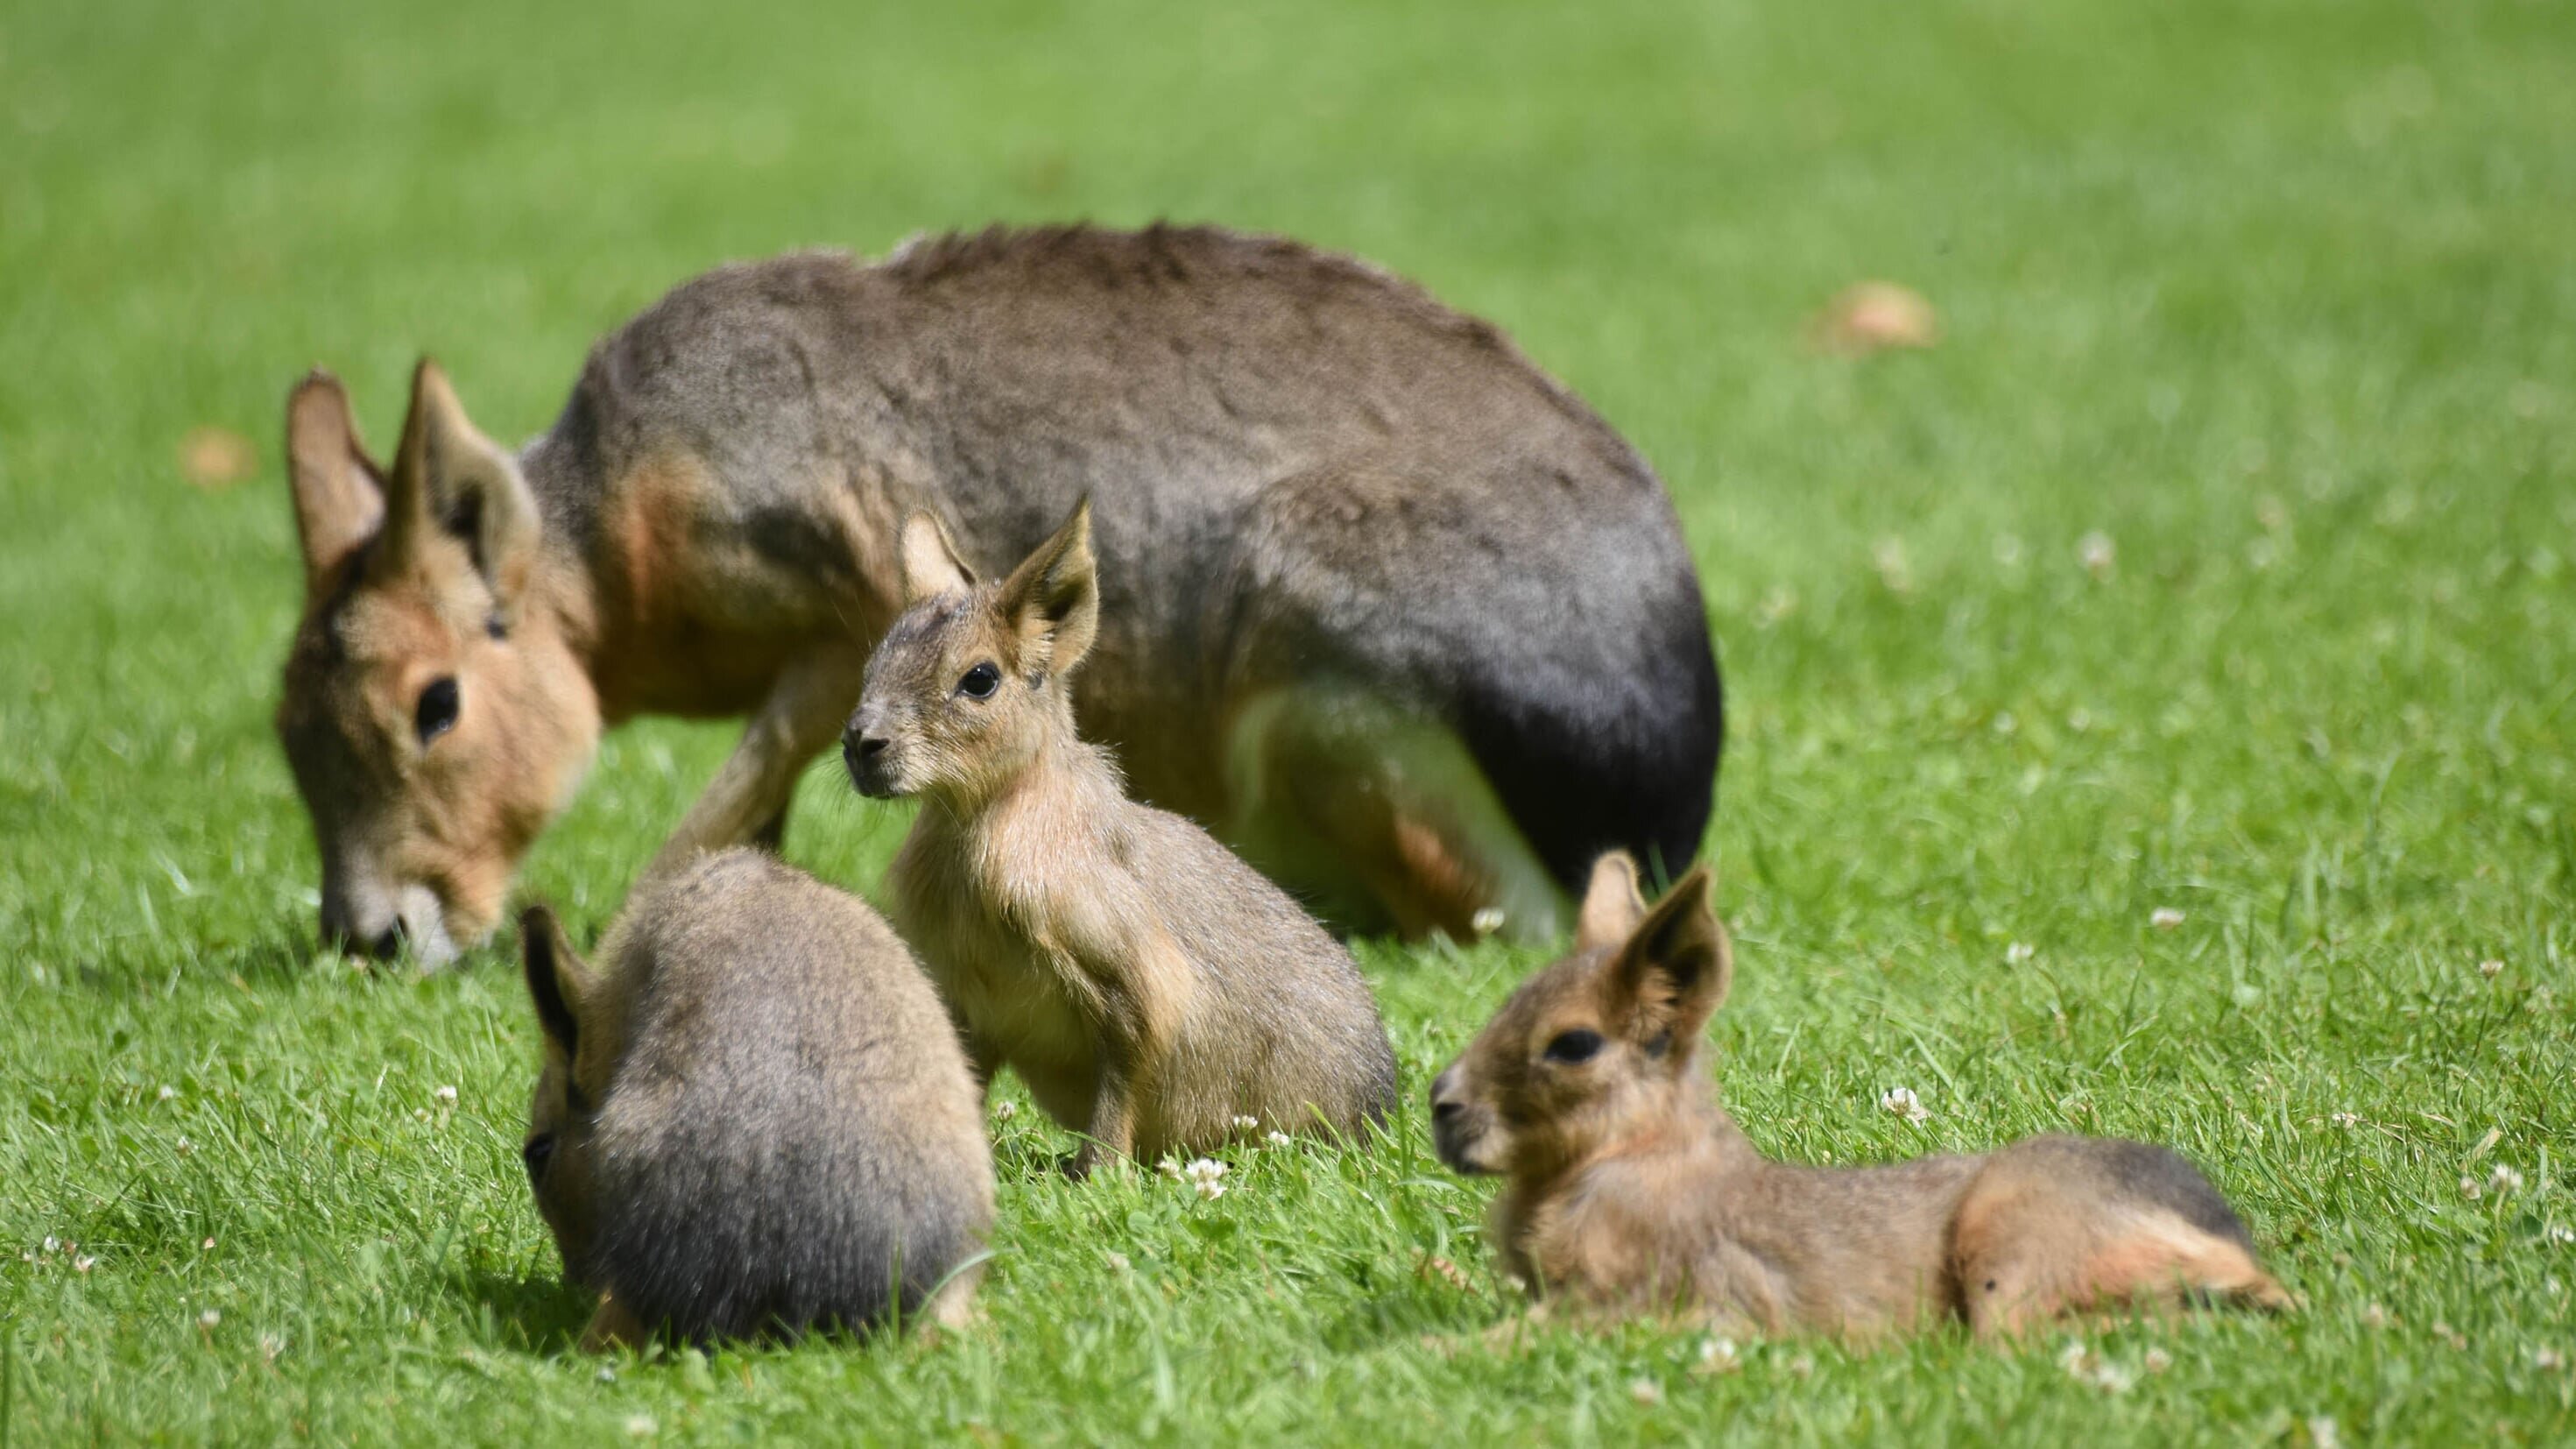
(1379, 817)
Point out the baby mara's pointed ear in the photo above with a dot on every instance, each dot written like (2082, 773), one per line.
(931, 566)
(557, 980)
(1051, 602)
(1673, 971)
(1612, 904)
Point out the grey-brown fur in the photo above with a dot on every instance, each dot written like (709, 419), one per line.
(1388, 608)
(1149, 986)
(1631, 1191)
(763, 1123)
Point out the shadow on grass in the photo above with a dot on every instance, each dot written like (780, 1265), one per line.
(522, 1314)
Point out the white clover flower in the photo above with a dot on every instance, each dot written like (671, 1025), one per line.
(207, 1246)
(185, 1146)
(1247, 1124)
(2321, 1432)
(606, 1375)
(2490, 969)
(1118, 1262)
(1718, 1356)
(2166, 918)
(640, 1426)
(2470, 1189)
(53, 1245)
(2097, 553)
(2548, 1358)
(446, 1095)
(1005, 1111)
(1206, 1178)
(2157, 1361)
(209, 1318)
(270, 1346)
(2346, 1119)
(2375, 1316)
(2074, 1356)
(166, 1093)
(1169, 1167)
(84, 1264)
(1645, 1391)
(2561, 1234)
(2503, 1180)
(1280, 1139)
(1893, 571)
(1903, 1102)
(1486, 921)
(2019, 952)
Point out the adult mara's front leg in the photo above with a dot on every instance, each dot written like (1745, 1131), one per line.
(748, 799)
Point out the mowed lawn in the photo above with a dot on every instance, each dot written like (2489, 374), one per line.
(2219, 560)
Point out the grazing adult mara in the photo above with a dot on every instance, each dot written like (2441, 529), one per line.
(1390, 611)
(1629, 1191)
(753, 1118)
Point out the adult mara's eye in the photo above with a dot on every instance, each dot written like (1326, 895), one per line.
(1578, 1045)
(980, 682)
(538, 1152)
(435, 715)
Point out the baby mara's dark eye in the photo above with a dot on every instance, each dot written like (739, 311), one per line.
(538, 1152)
(1578, 1045)
(980, 682)
(435, 714)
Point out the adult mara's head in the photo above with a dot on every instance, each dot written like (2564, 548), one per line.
(432, 712)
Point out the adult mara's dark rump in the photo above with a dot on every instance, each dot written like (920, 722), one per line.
(1392, 612)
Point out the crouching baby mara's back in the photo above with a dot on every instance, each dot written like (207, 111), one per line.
(754, 1117)
(1630, 1190)
(1151, 988)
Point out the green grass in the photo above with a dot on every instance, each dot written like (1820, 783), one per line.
(2276, 296)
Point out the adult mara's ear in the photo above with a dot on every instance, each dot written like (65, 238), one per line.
(931, 566)
(557, 980)
(1612, 904)
(1674, 969)
(1051, 602)
(339, 491)
(450, 477)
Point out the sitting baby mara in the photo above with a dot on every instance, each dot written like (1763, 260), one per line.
(1632, 1192)
(754, 1117)
(1149, 986)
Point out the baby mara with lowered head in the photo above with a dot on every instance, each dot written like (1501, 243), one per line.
(754, 1117)
(1631, 1191)
(1150, 987)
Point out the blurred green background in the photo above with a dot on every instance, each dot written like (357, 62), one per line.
(2272, 297)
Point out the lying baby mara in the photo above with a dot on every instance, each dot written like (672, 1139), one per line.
(1630, 1191)
(1151, 988)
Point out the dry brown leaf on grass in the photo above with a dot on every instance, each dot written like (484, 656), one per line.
(1869, 317)
(1434, 1266)
(213, 458)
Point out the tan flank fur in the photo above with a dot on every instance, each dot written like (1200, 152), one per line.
(1405, 621)
(1150, 987)
(753, 1117)
(1630, 1191)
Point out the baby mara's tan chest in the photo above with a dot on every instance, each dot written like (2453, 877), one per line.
(986, 943)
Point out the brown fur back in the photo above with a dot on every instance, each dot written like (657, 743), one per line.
(766, 1122)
